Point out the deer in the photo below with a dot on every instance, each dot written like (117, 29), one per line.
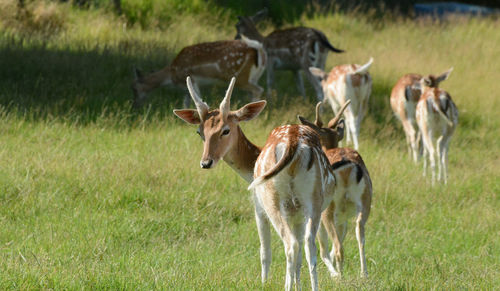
(404, 98)
(223, 139)
(348, 82)
(437, 118)
(353, 192)
(293, 183)
(295, 49)
(208, 63)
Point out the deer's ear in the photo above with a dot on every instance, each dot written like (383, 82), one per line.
(188, 115)
(341, 129)
(444, 76)
(317, 72)
(427, 81)
(259, 16)
(308, 123)
(250, 111)
(138, 75)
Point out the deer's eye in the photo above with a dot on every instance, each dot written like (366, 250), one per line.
(225, 131)
(199, 133)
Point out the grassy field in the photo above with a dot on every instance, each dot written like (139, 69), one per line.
(94, 195)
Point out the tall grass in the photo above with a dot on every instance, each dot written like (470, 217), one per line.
(94, 195)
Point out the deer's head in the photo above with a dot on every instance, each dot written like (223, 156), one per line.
(432, 81)
(218, 128)
(137, 89)
(320, 74)
(247, 25)
(333, 133)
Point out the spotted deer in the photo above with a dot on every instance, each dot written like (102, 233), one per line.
(223, 139)
(293, 184)
(353, 192)
(343, 83)
(208, 63)
(295, 49)
(404, 98)
(437, 118)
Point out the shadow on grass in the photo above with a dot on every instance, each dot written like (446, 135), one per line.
(83, 83)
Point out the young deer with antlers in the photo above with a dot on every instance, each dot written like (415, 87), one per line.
(437, 118)
(294, 49)
(293, 184)
(208, 63)
(224, 139)
(404, 98)
(353, 192)
(348, 82)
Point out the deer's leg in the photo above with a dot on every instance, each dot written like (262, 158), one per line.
(439, 154)
(360, 236)
(329, 226)
(348, 131)
(356, 134)
(297, 270)
(290, 242)
(425, 155)
(312, 225)
(292, 251)
(300, 84)
(298, 232)
(444, 158)
(328, 222)
(338, 250)
(323, 249)
(314, 82)
(420, 146)
(412, 136)
(415, 143)
(270, 77)
(426, 145)
(264, 230)
(407, 129)
(351, 128)
(432, 158)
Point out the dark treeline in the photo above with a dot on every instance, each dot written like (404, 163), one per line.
(288, 10)
(279, 11)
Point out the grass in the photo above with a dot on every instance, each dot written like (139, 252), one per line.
(96, 196)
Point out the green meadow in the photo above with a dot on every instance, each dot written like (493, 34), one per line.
(97, 196)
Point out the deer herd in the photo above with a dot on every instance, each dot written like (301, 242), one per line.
(304, 185)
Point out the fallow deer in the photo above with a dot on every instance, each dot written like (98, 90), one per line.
(208, 63)
(224, 139)
(294, 49)
(404, 99)
(437, 118)
(353, 192)
(348, 82)
(293, 184)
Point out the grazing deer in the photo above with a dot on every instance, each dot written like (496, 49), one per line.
(224, 139)
(353, 192)
(404, 99)
(208, 63)
(293, 183)
(348, 82)
(437, 118)
(294, 49)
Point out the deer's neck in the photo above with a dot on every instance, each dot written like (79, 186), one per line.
(253, 33)
(242, 156)
(156, 79)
